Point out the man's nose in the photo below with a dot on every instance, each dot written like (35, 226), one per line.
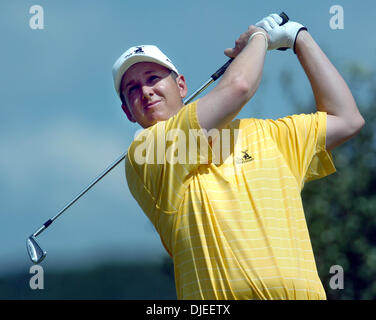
(147, 92)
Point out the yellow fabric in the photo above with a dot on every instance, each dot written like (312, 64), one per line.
(235, 227)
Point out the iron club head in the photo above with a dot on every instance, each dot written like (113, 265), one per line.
(36, 253)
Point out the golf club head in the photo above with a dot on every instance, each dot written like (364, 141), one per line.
(36, 253)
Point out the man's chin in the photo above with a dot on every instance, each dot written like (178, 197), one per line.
(156, 117)
(152, 121)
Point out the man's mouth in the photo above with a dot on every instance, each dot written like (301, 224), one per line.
(151, 105)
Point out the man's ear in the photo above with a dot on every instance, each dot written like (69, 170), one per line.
(129, 115)
(182, 85)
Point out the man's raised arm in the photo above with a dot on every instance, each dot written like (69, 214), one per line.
(242, 78)
(238, 84)
(331, 93)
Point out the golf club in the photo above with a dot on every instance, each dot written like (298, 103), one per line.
(36, 253)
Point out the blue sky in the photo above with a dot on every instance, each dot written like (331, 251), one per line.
(61, 121)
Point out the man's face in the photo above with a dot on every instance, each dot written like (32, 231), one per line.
(151, 94)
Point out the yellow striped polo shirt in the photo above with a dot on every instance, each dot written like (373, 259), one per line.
(233, 223)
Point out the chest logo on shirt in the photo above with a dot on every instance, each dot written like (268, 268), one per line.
(245, 157)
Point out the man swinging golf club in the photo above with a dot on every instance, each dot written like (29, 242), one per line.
(234, 225)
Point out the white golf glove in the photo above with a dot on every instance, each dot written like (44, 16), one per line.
(281, 37)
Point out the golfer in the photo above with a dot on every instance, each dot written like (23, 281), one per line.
(233, 222)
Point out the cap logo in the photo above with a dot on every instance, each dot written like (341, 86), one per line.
(138, 50)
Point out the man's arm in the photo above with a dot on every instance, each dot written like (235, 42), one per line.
(238, 84)
(331, 93)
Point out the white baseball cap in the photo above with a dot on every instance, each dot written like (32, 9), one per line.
(143, 53)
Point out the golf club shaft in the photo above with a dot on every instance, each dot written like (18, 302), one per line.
(208, 82)
(198, 91)
(99, 177)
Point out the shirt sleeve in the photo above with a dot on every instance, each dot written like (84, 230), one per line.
(161, 160)
(302, 141)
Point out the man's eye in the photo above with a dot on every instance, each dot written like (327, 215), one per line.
(153, 79)
(132, 89)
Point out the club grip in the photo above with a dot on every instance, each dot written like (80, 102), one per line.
(285, 18)
(221, 70)
(47, 223)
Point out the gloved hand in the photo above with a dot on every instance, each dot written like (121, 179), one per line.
(281, 37)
